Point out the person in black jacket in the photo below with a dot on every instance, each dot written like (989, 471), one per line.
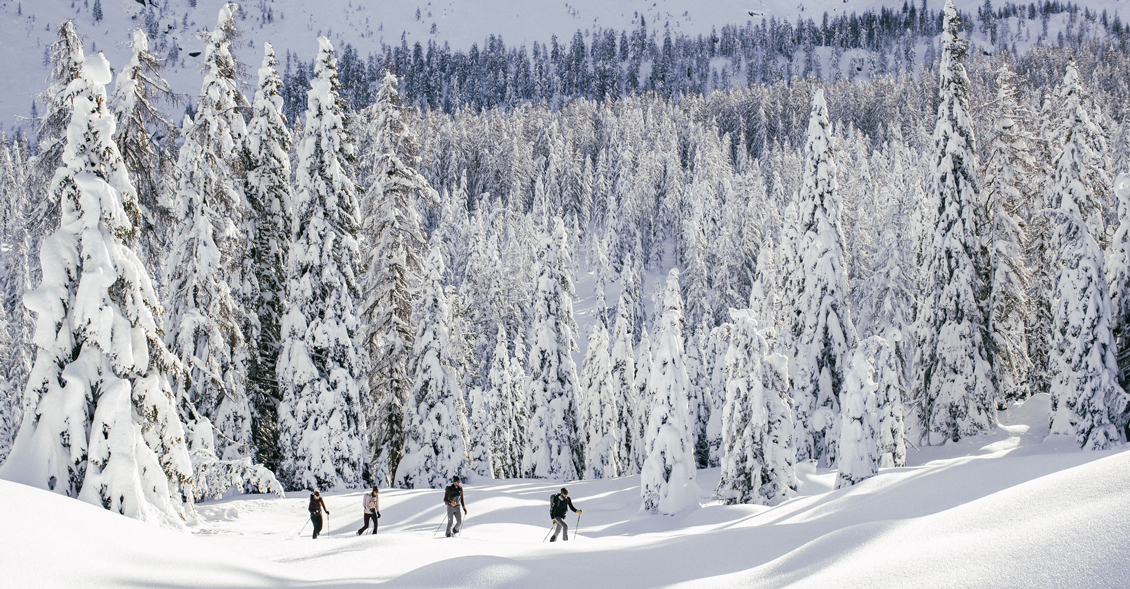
(453, 498)
(558, 503)
(316, 507)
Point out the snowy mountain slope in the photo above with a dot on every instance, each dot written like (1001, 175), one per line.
(27, 28)
(1005, 509)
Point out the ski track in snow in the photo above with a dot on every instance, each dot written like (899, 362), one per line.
(1004, 509)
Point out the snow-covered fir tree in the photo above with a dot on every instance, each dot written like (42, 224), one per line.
(436, 427)
(667, 477)
(757, 430)
(1007, 172)
(392, 248)
(203, 327)
(953, 372)
(146, 141)
(66, 58)
(100, 421)
(623, 366)
(1079, 157)
(890, 383)
(507, 410)
(11, 410)
(699, 393)
(641, 405)
(763, 294)
(599, 409)
(1087, 401)
(17, 353)
(555, 448)
(321, 425)
(1118, 273)
(824, 331)
(860, 451)
(267, 225)
(718, 344)
(480, 457)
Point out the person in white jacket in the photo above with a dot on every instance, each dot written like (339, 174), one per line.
(371, 502)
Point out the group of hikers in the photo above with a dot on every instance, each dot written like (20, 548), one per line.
(453, 499)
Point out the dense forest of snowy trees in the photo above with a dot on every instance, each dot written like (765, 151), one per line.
(379, 287)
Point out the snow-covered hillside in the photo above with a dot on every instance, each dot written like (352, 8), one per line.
(1007, 509)
(27, 28)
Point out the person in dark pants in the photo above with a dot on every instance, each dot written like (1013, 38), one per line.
(316, 507)
(453, 498)
(558, 503)
(371, 503)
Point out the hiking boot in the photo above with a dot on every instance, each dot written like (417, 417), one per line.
(553, 539)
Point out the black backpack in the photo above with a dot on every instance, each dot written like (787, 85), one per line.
(553, 500)
(314, 506)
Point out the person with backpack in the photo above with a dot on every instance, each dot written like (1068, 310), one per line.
(453, 498)
(316, 507)
(371, 504)
(558, 503)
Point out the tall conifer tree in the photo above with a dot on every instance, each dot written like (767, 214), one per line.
(954, 373)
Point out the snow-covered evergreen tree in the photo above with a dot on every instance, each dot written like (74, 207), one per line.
(667, 478)
(99, 419)
(480, 455)
(17, 352)
(436, 427)
(146, 141)
(321, 426)
(1118, 273)
(860, 451)
(203, 327)
(953, 371)
(555, 447)
(507, 410)
(66, 58)
(1007, 173)
(763, 295)
(1079, 157)
(718, 344)
(641, 405)
(699, 393)
(1087, 401)
(270, 201)
(757, 429)
(11, 411)
(599, 409)
(824, 330)
(890, 383)
(623, 366)
(393, 247)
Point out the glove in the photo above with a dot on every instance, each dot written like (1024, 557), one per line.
(579, 512)
(378, 515)
(553, 521)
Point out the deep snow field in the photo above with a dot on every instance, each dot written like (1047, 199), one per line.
(1007, 509)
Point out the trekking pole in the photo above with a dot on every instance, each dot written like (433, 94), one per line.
(439, 526)
(577, 532)
(296, 534)
(549, 532)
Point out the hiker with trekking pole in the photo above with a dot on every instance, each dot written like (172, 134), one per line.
(316, 506)
(371, 504)
(453, 498)
(558, 503)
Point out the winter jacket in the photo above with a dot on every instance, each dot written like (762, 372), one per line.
(317, 504)
(453, 494)
(371, 503)
(557, 506)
